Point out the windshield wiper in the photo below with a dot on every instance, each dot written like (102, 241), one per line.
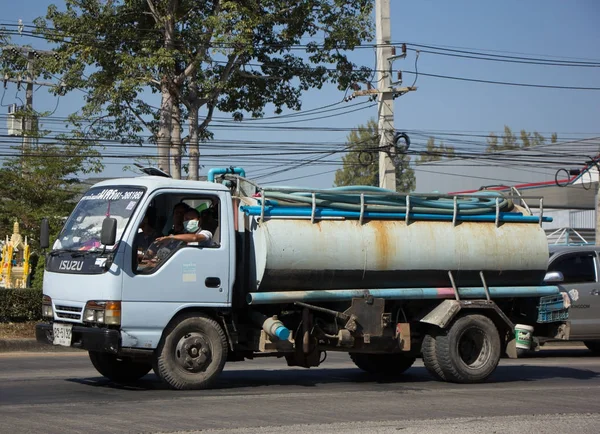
(59, 251)
(74, 253)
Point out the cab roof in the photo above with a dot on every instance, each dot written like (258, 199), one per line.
(158, 182)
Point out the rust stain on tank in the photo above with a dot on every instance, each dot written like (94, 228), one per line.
(384, 244)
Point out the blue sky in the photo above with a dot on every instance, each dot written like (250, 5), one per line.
(551, 28)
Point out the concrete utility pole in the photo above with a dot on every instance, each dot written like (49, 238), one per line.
(386, 93)
(27, 136)
(387, 170)
(28, 121)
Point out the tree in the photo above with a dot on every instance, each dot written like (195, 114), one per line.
(510, 141)
(525, 139)
(361, 162)
(44, 182)
(236, 56)
(434, 152)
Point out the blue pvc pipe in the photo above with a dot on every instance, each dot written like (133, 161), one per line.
(323, 212)
(398, 294)
(222, 170)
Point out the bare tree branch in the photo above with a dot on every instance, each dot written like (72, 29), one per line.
(203, 53)
(139, 118)
(153, 11)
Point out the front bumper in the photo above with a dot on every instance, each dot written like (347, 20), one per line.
(86, 338)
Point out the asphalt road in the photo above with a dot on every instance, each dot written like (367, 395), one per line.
(61, 392)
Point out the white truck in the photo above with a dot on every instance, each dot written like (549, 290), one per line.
(294, 273)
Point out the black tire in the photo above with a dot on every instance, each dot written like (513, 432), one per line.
(118, 369)
(469, 351)
(192, 353)
(383, 364)
(430, 358)
(593, 346)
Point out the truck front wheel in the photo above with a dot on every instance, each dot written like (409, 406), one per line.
(192, 354)
(383, 364)
(118, 369)
(469, 351)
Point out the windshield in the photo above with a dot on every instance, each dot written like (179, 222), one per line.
(84, 226)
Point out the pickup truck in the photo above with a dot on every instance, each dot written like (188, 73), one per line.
(579, 269)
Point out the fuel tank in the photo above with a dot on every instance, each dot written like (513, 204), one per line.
(297, 254)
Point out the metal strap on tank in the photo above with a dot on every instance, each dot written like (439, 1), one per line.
(455, 213)
(485, 287)
(407, 209)
(453, 285)
(497, 211)
(518, 194)
(262, 205)
(362, 208)
(541, 210)
(314, 208)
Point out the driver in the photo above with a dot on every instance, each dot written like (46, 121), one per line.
(194, 234)
(163, 247)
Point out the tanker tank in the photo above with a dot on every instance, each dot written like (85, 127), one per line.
(301, 242)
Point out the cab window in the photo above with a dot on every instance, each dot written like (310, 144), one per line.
(152, 246)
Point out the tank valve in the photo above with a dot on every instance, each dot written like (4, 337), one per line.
(272, 326)
(275, 328)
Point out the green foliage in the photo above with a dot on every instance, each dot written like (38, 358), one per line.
(43, 183)
(20, 304)
(511, 142)
(434, 152)
(361, 163)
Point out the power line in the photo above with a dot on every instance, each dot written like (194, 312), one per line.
(517, 59)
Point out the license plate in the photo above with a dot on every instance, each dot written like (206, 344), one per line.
(62, 334)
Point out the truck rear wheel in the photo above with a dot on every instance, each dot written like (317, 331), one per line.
(192, 354)
(383, 364)
(469, 351)
(430, 357)
(119, 369)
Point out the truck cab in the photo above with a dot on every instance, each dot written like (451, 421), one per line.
(107, 297)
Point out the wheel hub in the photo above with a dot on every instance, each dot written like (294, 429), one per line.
(193, 352)
(473, 348)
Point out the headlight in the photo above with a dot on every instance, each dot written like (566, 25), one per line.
(102, 312)
(47, 307)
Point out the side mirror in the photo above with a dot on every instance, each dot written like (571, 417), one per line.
(554, 277)
(108, 236)
(45, 234)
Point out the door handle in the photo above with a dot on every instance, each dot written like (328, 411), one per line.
(595, 292)
(212, 282)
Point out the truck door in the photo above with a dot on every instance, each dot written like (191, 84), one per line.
(580, 271)
(169, 275)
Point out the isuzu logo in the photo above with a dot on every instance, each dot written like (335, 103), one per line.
(71, 265)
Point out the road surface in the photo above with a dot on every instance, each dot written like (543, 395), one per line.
(61, 392)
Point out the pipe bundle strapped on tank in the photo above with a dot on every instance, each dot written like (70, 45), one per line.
(382, 200)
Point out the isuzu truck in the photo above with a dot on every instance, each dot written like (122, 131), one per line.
(294, 273)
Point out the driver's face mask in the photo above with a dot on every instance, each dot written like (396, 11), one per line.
(191, 226)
